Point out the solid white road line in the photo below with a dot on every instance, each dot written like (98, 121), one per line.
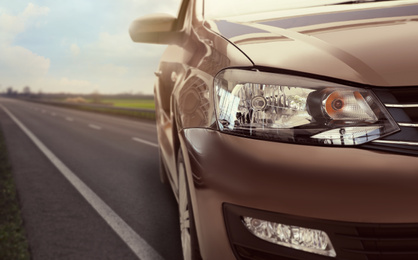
(69, 119)
(95, 127)
(144, 142)
(137, 244)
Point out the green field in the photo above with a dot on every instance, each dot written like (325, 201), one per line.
(108, 105)
(132, 103)
(116, 102)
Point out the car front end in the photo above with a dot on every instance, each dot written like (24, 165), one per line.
(298, 130)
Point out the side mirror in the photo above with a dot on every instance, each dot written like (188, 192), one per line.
(155, 28)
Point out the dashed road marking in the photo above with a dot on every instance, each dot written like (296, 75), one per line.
(135, 242)
(95, 127)
(69, 119)
(144, 141)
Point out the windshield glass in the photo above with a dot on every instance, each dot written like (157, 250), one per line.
(229, 8)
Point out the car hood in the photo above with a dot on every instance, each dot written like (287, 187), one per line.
(376, 47)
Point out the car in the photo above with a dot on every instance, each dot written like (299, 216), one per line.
(289, 129)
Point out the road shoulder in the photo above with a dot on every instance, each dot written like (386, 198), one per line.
(60, 224)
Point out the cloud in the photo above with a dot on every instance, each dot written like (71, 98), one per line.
(16, 58)
(18, 65)
(75, 50)
(111, 69)
(78, 85)
(33, 10)
(51, 84)
(120, 45)
(46, 48)
(123, 63)
(12, 25)
(152, 6)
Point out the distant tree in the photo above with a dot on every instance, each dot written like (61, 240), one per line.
(26, 90)
(9, 91)
(96, 97)
(39, 94)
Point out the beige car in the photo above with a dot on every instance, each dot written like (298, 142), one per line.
(289, 129)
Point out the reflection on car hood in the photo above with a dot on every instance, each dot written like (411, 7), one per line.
(377, 47)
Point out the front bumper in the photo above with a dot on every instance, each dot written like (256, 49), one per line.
(324, 183)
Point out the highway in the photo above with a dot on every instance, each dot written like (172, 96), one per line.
(89, 184)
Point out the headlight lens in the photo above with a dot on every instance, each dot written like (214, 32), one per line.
(300, 238)
(295, 109)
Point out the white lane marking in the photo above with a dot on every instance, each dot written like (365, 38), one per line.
(95, 127)
(69, 119)
(43, 111)
(53, 114)
(144, 142)
(137, 244)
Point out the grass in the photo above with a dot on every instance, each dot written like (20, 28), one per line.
(13, 243)
(131, 103)
(115, 112)
(120, 102)
(122, 108)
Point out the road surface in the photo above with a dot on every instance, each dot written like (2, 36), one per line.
(89, 184)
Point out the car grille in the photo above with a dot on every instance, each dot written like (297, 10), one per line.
(385, 242)
(402, 104)
(351, 241)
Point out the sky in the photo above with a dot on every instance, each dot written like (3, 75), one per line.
(77, 46)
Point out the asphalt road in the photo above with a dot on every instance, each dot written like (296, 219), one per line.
(117, 162)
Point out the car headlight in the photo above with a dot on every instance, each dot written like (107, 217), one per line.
(296, 109)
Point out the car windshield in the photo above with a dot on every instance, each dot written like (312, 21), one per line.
(229, 8)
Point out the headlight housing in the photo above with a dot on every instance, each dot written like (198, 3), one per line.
(299, 110)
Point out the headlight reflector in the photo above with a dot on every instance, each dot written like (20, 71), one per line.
(300, 238)
(294, 109)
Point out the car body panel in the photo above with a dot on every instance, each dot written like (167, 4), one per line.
(335, 47)
(325, 183)
(361, 48)
(203, 52)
